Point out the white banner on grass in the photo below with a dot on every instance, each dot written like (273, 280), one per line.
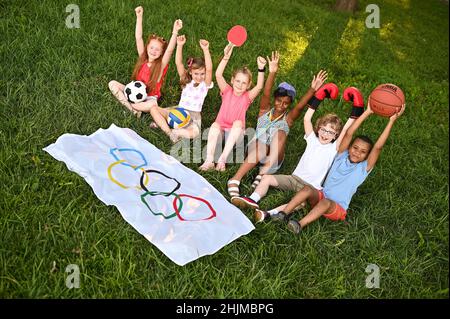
(175, 208)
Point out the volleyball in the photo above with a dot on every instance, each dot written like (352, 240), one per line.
(178, 118)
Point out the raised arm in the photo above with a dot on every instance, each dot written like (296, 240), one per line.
(376, 149)
(264, 104)
(221, 82)
(253, 93)
(351, 94)
(181, 40)
(204, 44)
(138, 32)
(177, 25)
(347, 137)
(316, 83)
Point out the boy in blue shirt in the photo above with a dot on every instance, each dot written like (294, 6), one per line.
(351, 166)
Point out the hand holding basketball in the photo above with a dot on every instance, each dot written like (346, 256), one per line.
(273, 63)
(394, 117)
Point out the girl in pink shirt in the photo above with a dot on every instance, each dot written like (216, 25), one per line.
(235, 101)
(151, 66)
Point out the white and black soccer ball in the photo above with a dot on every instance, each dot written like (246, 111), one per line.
(135, 91)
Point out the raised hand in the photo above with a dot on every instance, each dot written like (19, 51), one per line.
(181, 39)
(319, 79)
(227, 51)
(273, 63)
(139, 11)
(261, 62)
(204, 44)
(177, 25)
(394, 117)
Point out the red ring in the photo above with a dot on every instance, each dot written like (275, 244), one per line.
(214, 214)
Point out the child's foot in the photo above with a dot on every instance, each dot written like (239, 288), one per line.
(244, 202)
(137, 113)
(153, 125)
(221, 167)
(207, 166)
(294, 226)
(173, 137)
(260, 215)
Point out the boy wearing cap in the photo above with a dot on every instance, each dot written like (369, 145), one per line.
(268, 146)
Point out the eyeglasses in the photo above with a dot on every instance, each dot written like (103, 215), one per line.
(324, 131)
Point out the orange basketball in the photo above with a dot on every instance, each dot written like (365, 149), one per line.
(386, 100)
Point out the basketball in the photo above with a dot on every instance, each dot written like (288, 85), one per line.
(178, 118)
(386, 100)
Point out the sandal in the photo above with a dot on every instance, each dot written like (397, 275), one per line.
(256, 181)
(233, 191)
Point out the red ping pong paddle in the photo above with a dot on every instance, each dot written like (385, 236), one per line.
(237, 35)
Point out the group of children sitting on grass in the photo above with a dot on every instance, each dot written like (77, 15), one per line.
(333, 164)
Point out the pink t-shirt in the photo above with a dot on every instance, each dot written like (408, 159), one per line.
(233, 108)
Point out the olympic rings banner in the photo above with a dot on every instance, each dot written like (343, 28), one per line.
(172, 206)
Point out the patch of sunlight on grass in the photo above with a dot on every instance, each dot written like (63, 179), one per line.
(402, 4)
(350, 40)
(295, 46)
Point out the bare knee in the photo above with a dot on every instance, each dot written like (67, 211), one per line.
(215, 126)
(269, 180)
(238, 124)
(113, 85)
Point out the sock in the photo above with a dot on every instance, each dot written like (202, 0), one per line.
(273, 211)
(255, 196)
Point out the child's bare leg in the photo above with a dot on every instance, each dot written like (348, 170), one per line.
(323, 207)
(235, 133)
(145, 106)
(116, 89)
(257, 150)
(306, 193)
(214, 133)
(276, 153)
(266, 182)
(159, 115)
(191, 132)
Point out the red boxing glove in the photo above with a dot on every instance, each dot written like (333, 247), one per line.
(352, 94)
(329, 90)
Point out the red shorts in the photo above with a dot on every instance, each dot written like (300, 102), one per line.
(338, 213)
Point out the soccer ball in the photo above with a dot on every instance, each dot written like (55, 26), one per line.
(178, 118)
(135, 91)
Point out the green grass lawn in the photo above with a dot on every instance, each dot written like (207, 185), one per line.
(53, 80)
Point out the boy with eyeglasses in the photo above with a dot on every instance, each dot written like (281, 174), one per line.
(323, 141)
(352, 165)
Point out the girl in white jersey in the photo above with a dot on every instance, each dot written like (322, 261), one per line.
(196, 80)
